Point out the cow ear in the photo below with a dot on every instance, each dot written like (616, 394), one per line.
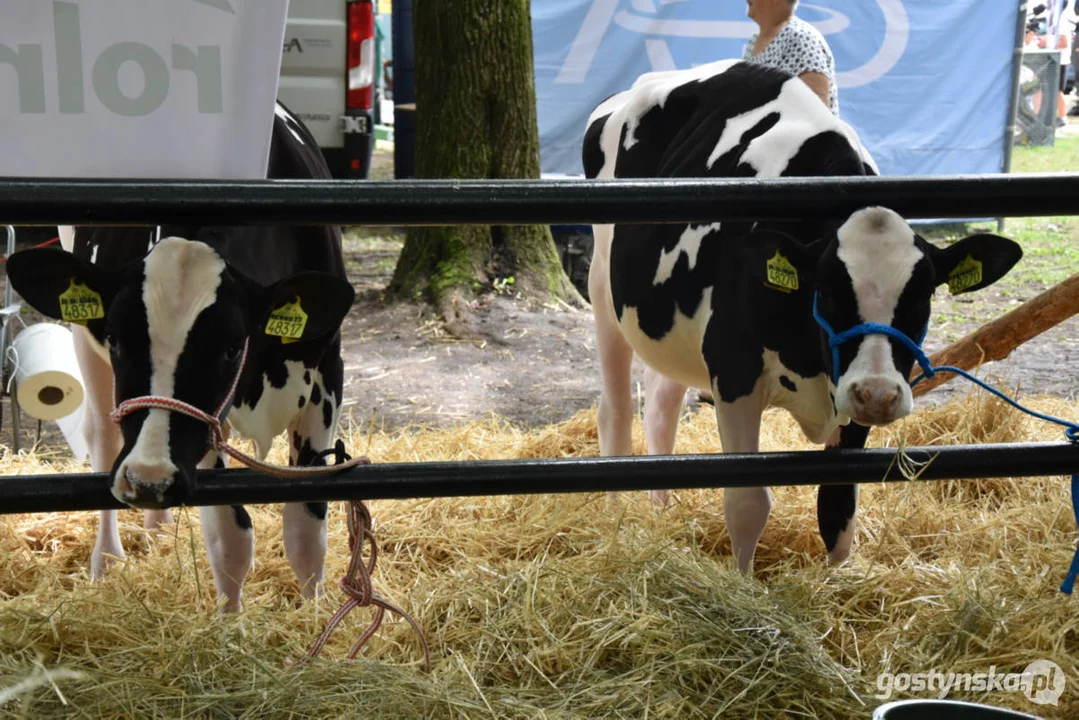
(781, 261)
(306, 306)
(62, 286)
(974, 262)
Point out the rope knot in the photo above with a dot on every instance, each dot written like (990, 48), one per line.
(357, 585)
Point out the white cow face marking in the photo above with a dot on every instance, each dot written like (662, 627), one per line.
(176, 334)
(879, 251)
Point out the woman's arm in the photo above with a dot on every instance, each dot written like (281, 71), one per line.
(818, 83)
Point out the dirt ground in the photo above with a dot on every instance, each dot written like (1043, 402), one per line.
(537, 364)
(534, 364)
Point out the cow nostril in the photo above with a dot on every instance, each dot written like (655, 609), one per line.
(860, 394)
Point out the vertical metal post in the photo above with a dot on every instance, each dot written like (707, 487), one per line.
(8, 298)
(404, 91)
(1013, 102)
(5, 331)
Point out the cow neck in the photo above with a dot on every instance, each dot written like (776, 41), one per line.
(836, 339)
(215, 421)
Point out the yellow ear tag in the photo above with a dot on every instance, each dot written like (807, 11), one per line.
(287, 322)
(78, 304)
(781, 274)
(966, 275)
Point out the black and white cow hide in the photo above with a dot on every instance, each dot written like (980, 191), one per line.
(728, 306)
(176, 314)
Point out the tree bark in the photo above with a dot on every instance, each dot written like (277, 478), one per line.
(476, 118)
(997, 339)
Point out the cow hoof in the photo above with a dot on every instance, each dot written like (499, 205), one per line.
(612, 498)
(660, 498)
(839, 555)
(102, 560)
(312, 591)
(229, 606)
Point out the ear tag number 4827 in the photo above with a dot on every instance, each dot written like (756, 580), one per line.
(287, 322)
(79, 304)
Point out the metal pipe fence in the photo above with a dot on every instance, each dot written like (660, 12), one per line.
(90, 491)
(514, 202)
(30, 201)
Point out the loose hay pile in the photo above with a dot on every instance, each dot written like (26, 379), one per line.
(557, 607)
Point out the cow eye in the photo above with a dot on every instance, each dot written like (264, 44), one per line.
(233, 353)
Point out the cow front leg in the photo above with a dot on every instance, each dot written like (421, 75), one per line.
(745, 509)
(305, 523)
(837, 505)
(230, 545)
(614, 414)
(153, 519)
(663, 403)
(104, 442)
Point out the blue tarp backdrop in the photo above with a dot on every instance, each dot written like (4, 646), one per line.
(926, 83)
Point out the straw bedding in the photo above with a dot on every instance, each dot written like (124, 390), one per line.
(562, 606)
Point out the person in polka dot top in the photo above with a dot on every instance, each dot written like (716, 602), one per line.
(791, 44)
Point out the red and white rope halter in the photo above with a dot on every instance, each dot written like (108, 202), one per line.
(357, 582)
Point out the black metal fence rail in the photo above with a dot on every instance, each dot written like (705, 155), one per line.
(27, 201)
(52, 493)
(445, 202)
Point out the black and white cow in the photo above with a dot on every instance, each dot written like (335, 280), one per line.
(729, 307)
(176, 316)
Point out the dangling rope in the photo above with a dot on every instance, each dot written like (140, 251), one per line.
(357, 582)
(1071, 429)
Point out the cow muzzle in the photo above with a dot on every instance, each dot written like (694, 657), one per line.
(144, 479)
(874, 400)
(151, 485)
(871, 397)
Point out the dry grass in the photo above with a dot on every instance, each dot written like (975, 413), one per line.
(558, 606)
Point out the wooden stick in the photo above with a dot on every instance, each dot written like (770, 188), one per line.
(997, 339)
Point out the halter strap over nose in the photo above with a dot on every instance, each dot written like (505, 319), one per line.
(836, 339)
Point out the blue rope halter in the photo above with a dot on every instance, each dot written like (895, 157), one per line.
(1071, 430)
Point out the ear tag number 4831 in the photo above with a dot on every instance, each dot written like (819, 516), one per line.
(79, 304)
(287, 322)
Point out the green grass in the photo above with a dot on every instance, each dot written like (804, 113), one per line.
(1050, 249)
(1050, 244)
(1062, 156)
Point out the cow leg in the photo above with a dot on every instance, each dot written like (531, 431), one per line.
(104, 442)
(837, 505)
(614, 414)
(305, 523)
(745, 510)
(230, 544)
(153, 519)
(663, 403)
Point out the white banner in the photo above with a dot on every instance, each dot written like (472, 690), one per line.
(138, 88)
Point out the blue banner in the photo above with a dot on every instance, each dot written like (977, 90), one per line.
(925, 83)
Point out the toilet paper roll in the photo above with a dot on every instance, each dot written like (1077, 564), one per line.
(46, 372)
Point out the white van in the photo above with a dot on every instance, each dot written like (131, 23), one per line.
(328, 78)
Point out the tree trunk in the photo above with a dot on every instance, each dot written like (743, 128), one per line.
(476, 118)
